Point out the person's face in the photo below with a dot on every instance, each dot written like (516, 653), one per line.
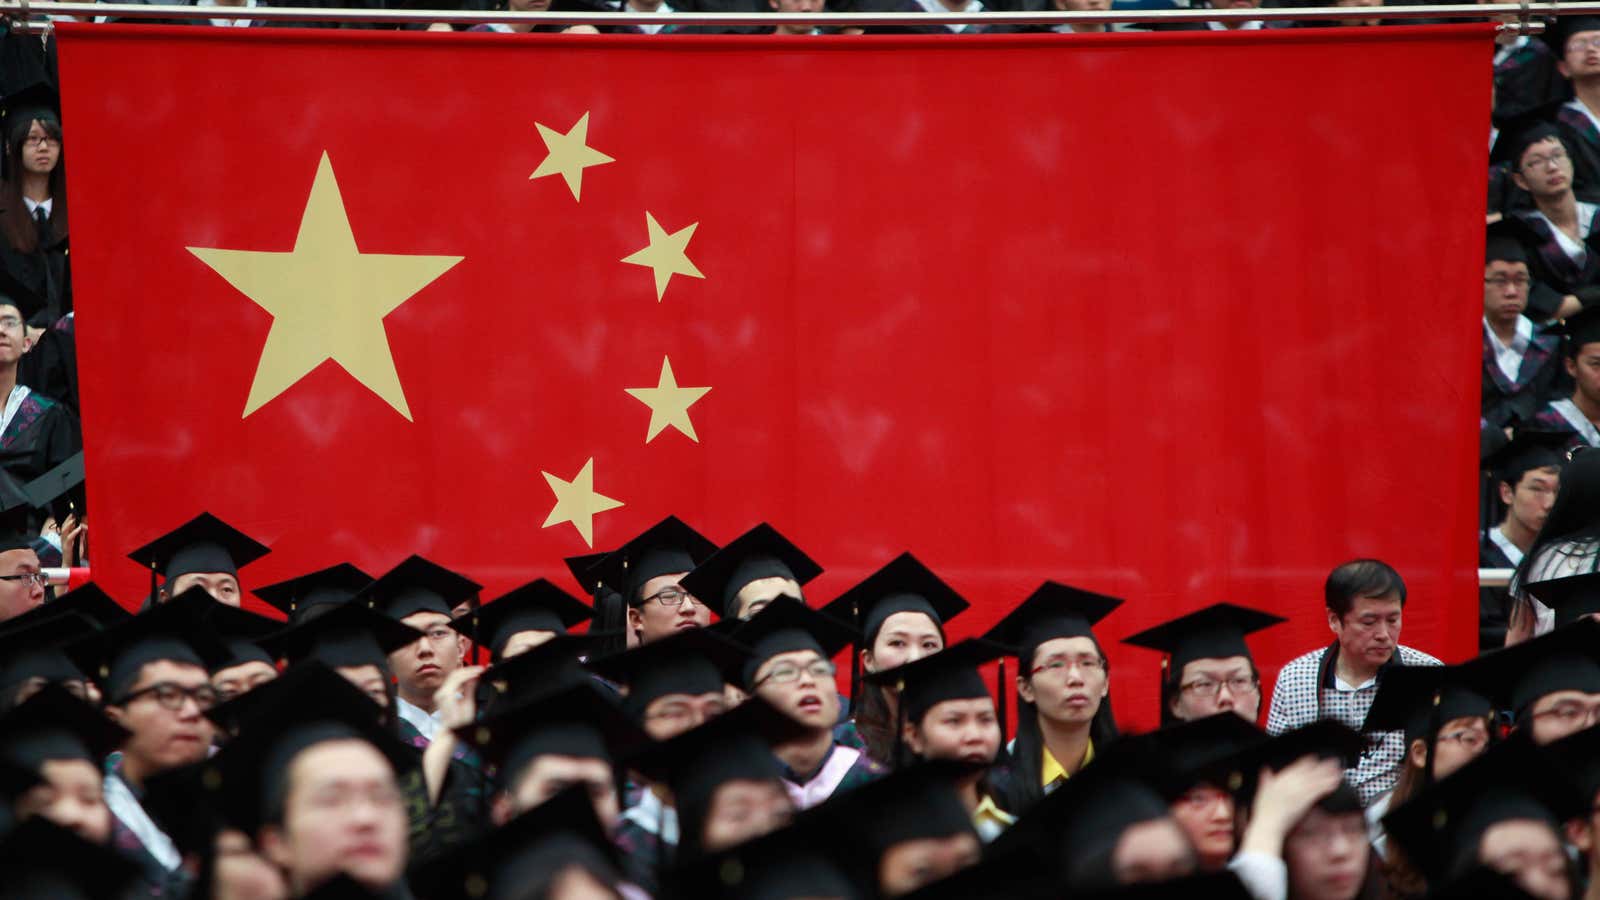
(1206, 815)
(550, 774)
(529, 5)
(1529, 852)
(577, 883)
(1210, 686)
(904, 638)
(1544, 169)
(1152, 852)
(1582, 56)
(342, 812)
(1359, 4)
(800, 683)
(164, 738)
(1529, 503)
(523, 641)
(241, 679)
(754, 597)
(673, 714)
(909, 865)
(17, 595)
(83, 690)
(965, 730)
(1082, 5)
(1560, 713)
(1236, 4)
(1505, 290)
(1370, 631)
(70, 797)
(1585, 370)
(222, 587)
(1068, 681)
(422, 667)
(40, 152)
(655, 619)
(240, 873)
(1327, 855)
(744, 809)
(1460, 741)
(370, 680)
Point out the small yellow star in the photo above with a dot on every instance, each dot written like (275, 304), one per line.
(667, 254)
(576, 502)
(669, 404)
(569, 154)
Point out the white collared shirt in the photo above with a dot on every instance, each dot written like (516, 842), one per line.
(1578, 105)
(654, 817)
(228, 23)
(648, 29)
(1252, 25)
(427, 724)
(1502, 52)
(47, 205)
(1575, 250)
(934, 6)
(1509, 356)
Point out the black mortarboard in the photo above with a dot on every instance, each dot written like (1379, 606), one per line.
(1005, 876)
(1503, 242)
(175, 631)
(914, 802)
(349, 635)
(33, 101)
(1559, 28)
(950, 674)
(694, 661)
(788, 864)
(578, 720)
(665, 548)
(202, 544)
(583, 571)
(536, 606)
(903, 585)
(554, 663)
(418, 585)
(15, 780)
(53, 724)
(38, 651)
(759, 553)
(1529, 448)
(299, 597)
(89, 601)
(42, 859)
(1572, 597)
(1581, 328)
(1199, 751)
(16, 513)
(238, 630)
(1055, 610)
(1579, 754)
(1567, 658)
(521, 857)
(1418, 700)
(308, 705)
(787, 625)
(1479, 883)
(1323, 738)
(1440, 828)
(1215, 632)
(1514, 139)
(60, 490)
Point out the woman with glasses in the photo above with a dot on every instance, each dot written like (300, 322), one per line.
(790, 667)
(1208, 668)
(33, 203)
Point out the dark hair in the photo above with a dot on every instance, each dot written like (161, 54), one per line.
(1361, 578)
(1576, 512)
(875, 725)
(611, 617)
(15, 221)
(1173, 682)
(1027, 755)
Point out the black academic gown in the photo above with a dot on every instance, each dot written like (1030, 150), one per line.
(44, 271)
(51, 366)
(41, 436)
(1494, 604)
(1527, 79)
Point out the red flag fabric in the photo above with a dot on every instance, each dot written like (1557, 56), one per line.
(1180, 318)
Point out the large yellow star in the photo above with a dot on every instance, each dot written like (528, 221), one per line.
(569, 154)
(666, 254)
(327, 299)
(669, 404)
(576, 502)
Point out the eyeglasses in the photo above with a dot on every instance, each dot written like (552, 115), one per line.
(1502, 281)
(1206, 687)
(171, 696)
(31, 578)
(1556, 157)
(1571, 712)
(1085, 664)
(1469, 739)
(787, 672)
(670, 596)
(685, 712)
(40, 140)
(1582, 43)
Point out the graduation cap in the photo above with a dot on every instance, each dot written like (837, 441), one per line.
(578, 720)
(300, 597)
(787, 625)
(694, 661)
(903, 585)
(912, 803)
(1528, 449)
(1441, 827)
(310, 704)
(89, 601)
(1516, 135)
(666, 548)
(1055, 610)
(1418, 700)
(348, 635)
(536, 606)
(790, 863)
(523, 856)
(1567, 658)
(1581, 328)
(554, 663)
(1559, 28)
(418, 585)
(16, 512)
(238, 630)
(42, 859)
(583, 571)
(1572, 597)
(1579, 756)
(950, 674)
(174, 631)
(38, 100)
(55, 725)
(1323, 739)
(759, 553)
(1003, 876)
(203, 544)
(1215, 632)
(1196, 752)
(36, 650)
(734, 746)
(59, 492)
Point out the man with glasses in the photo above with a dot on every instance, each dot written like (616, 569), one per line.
(1208, 668)
(1574, 41)
(420, 593)
(37, 433)
(1364, 600)
(1558, 228)
(646, 571)
(1520, 369)
(21, 583)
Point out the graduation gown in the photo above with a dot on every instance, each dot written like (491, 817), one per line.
(1539, 380)
(51, 366)
(1526, 78)
(1583, 142)
(1550, 265)
(1563, 415)
(39, 437)
(1494, 604)
(44, 272)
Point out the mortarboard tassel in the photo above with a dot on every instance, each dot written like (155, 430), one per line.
(1000, 695)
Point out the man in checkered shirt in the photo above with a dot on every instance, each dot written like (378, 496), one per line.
(1364, 599)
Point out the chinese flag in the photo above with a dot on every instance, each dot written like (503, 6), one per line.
(1182, 318)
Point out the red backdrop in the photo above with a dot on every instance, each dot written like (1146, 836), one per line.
(1181, 318)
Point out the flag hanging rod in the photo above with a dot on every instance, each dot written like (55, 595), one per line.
(1523, 18)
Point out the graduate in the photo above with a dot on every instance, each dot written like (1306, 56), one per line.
(63, 741)
(900, 612)
(42, 859)
(22, 586)
(1578, 414)
(421, 593)
(1208, 668)
(610, 610)
(1579, 756)
(1063, 689)
(1559, 227)
(1551, 684)
(1568, 38)
(647, 570)
(246, 665)
(751, 571)
(33, 203)
(42, 433)
(32, 645)
(905, 830)
(1526, 474)
(522, 618)
(303, 596)
(203, 552)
